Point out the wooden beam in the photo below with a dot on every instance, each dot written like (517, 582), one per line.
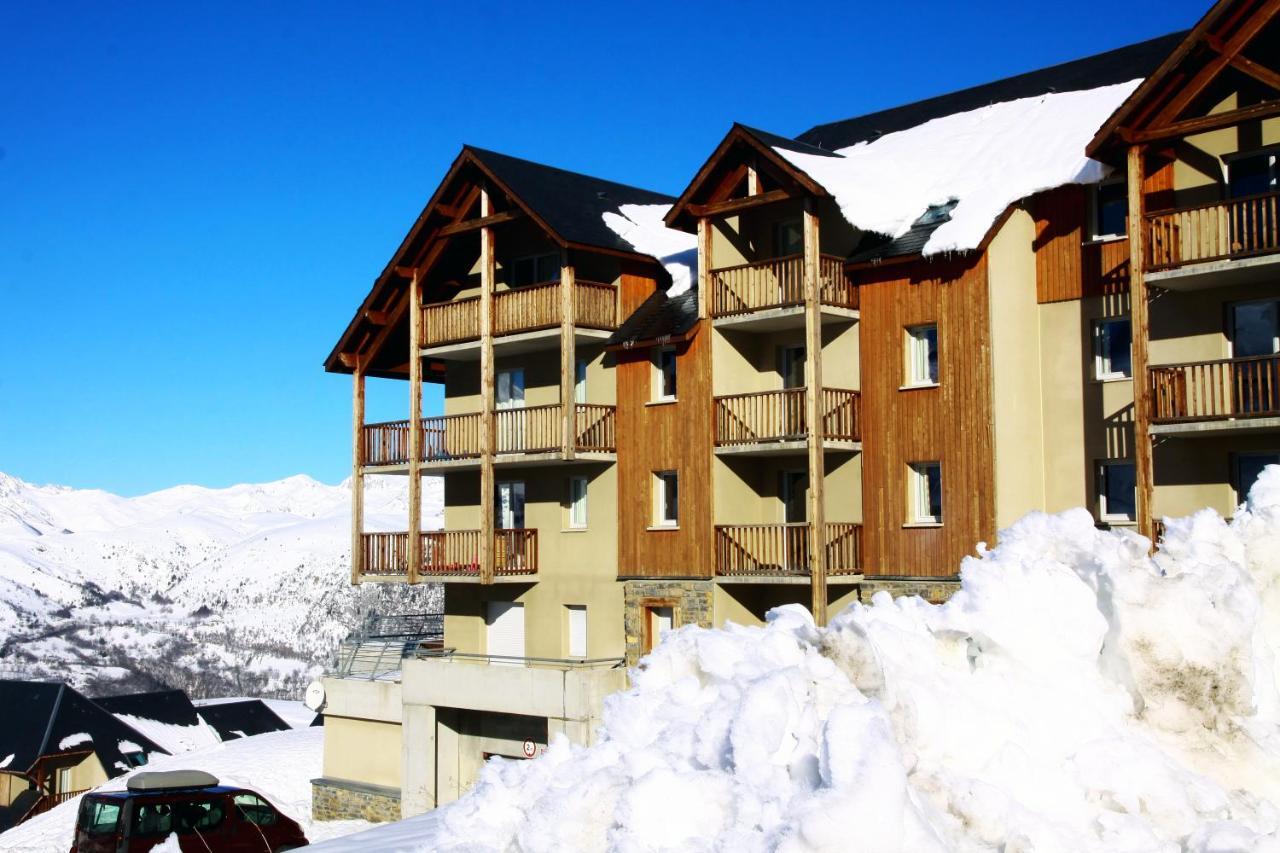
(753, 179)
(722, 208)
(704, 267)
(415, 428)
(348, 359)
(568, 359)
(1191, 126)
(484, 221)
(813, 410)
(357, 471)
(1258, 72)
(488, 271)
(378, 318)
(1138, 319)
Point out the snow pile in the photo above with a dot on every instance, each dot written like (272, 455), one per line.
(1074, 695)
(173, 738)
(278, 765)
(641, 225)
(72, 741)
(986, 159)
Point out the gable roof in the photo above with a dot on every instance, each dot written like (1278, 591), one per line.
(171, 707)
(43, 719)
(243, 718)
(660, 317)
(1091, 72)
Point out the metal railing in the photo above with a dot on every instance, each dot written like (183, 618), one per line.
(375, 649)
(511, 660)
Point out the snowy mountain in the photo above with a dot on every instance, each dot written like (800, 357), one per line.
(239, 591)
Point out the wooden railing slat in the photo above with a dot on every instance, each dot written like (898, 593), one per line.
(744, 550)
(1220, 230)
(1214, 390)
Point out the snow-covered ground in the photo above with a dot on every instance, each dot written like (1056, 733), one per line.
(278, 765)
(1074, 695)
(241, 590)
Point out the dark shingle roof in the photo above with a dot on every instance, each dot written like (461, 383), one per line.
(40, 716)
(877, 246)
(773, 140)
(1104, 69)
(164, 706)
(242, 719)
(659, 316)
(572, 204)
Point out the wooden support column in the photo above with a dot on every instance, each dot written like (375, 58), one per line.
(1141, 330)
(357, 470)
(568, 359)
(414, 549)
(704, 268)
(813, 411)
(488, 271)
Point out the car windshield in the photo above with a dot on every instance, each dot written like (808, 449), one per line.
(99, 817)
(182, 817)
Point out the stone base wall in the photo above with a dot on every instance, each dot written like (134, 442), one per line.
(935, 590)
(691, 602)
(334, 799)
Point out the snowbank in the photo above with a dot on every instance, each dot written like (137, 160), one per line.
(986, 159)
(1074, 695)
(641, 225)
(279, 765)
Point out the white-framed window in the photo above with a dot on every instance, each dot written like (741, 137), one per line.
(788, 237)
(1247, 467)
(1112, 348)
(576, 628)
(1109, 209)
(580, 380)
(577, 503)
(508, 505)
(535, 269)
(666, 499)
(1117, 490)
(664, 373)
(922, 355)
(924, 493)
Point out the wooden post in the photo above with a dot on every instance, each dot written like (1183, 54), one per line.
(487, 444)
(753, 179)
(414, 549)
(357, 470)
(813, 410)
(568, 359)
(704, 268)
(1141, 331)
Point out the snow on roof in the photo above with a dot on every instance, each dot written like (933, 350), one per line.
(75, 740)
(984, 159)
(128, 746)
(8, 759)
(641, 225)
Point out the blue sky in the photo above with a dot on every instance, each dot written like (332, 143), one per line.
(194, 199)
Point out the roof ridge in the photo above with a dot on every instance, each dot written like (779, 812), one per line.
(53, 715)
(475, 149)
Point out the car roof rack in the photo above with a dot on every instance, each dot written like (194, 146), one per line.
(161, 780)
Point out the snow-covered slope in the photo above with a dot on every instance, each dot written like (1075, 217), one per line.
(239, 591)
(1074, 695)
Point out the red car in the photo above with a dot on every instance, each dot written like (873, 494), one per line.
(208, 817)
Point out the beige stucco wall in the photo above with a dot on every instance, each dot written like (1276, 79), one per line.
(1198, 174)
(750, 236)
(1015, 344)
(747, 490)
(746, 361)
(361, 750)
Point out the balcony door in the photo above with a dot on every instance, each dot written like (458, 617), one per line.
(508, 508)
(1251, 223)
(508, 393)
(1255, 336)
(791, 363)
(795, 512)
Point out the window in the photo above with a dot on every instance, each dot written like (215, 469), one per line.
(508, 505)
(536, 269)
(1110, 210)
(577, 502)
(99, 817)
(666, 499)
(135, 759)
(922, 355)
(504, 631)
(925, 493)
(64, 780)
(576, 614)
(664, 373)
(1117, 491)
(255, 810)
(580, 381)
(791, 366)
(788, 237)
(1248, 467)
(1112, 349)
(1254, 173)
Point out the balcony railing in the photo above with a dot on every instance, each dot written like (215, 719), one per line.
(520, 309)
(1236, 228)
(443, 439)
(451, 553)
(536, 429)
(778, 283)
(781, 416)
(781, 550)
(1216, 390)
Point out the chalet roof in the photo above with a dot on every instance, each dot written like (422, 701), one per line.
(171, 707)
(44, 719)
(659, 317)
(244, 718)
(774, 140)
(571, 203)
(878, 247)
(1091, 72)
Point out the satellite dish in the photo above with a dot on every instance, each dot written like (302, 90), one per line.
(314, 698)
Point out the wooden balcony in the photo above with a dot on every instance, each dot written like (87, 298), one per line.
(519, 311)
(536, 429)
(1244, 391)
(782, 550)
(443, 439)
(450, 554)
(1231, 230)
(777, 421)
(776, 285)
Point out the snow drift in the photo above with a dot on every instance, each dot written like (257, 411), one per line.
(1075, 694)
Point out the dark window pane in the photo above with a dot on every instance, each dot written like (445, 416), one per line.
(1120, 488)
(1112, 209)
(933, 476)
(1250, 176)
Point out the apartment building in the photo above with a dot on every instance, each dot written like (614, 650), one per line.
(665, 411)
